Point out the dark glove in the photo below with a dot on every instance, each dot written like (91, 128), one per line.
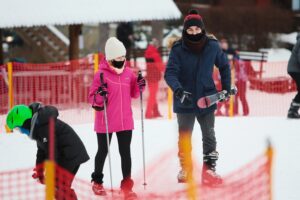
(39, 174)
(229, 92)
(184, 96)
(102, 90)
(227, 96)
(141, 81)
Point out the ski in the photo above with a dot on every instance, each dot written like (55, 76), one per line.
(207, 101)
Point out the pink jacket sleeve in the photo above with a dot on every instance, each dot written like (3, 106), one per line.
(135, 90)
(95, 100)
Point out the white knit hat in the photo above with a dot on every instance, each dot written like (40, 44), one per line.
(114, 48)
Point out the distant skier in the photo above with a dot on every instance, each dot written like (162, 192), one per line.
(155, 68)
(294, 71)
(70, 153)
(189, 74)
(119, 85)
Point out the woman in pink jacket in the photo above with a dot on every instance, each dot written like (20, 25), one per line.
(119, 85)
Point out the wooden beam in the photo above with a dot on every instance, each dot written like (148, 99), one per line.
(1, 49)
(74, 32)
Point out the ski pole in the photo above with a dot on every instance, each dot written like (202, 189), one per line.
(107, 136)
(142, 121)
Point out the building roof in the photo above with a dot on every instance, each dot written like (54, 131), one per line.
(18, 13)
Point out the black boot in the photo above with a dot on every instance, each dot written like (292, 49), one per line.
(209, 175)
(293, 111)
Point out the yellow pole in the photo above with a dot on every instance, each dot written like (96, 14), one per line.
(270, 154)
(170, 96)
(49, 179)
(10, 90)
(185, 145)
(96, 62)
(96, 68)
(231, 100)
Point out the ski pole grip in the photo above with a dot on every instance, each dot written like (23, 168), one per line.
(140, 74)
(101, 78)
(140, 77)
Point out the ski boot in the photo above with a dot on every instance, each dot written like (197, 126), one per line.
(293, 111)
(98, 189)
(126, 189)
(209, 176)
(183, 176)
(129, 195)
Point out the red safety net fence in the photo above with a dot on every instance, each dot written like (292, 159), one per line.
(265, 89)
(252, 181)
(64, 85)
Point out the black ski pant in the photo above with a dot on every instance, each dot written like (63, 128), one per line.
(296, 78)
(186, 124)
(124, 141)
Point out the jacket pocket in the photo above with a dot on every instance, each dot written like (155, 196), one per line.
(210, 89)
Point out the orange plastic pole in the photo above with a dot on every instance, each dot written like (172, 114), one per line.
(50, 164)
(10, 91)
(96, 62)
(49, 179)
(270, 155)
(231, 100)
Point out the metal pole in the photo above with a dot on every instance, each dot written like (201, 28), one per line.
(143, 139)
(107, 136)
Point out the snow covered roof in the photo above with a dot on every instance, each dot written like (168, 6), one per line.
(289, 38)
(16, 13)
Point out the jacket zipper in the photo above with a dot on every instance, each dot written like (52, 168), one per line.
(121, 102)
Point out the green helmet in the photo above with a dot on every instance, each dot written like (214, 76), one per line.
(18, 115)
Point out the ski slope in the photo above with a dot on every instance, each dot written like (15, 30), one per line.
(240, 140)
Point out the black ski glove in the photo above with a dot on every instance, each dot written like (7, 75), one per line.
(102, 90)
(141, 81)
(227, 96)
(184, 96)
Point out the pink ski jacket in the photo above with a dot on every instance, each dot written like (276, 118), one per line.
(121, 88)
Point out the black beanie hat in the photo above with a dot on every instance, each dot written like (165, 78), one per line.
(193, 19)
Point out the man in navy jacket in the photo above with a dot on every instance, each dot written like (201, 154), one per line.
(189, 74)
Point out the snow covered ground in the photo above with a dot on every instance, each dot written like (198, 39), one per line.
(240, 140)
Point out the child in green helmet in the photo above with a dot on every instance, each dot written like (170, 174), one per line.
(70, 152)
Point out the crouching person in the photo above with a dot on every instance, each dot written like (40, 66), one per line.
(70, 153)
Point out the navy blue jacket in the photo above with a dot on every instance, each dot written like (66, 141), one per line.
(194, 73)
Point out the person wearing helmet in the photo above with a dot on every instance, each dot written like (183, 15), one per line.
(70, 152)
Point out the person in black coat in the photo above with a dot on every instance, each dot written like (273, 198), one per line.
(70, 152)
(124, 33)
(189, 73)
(293, 70)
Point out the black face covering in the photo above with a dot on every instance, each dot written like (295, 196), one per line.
(194, 38)
(194, 42)
(118, 64)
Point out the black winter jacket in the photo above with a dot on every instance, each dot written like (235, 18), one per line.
(69, 149)
(194, 73)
